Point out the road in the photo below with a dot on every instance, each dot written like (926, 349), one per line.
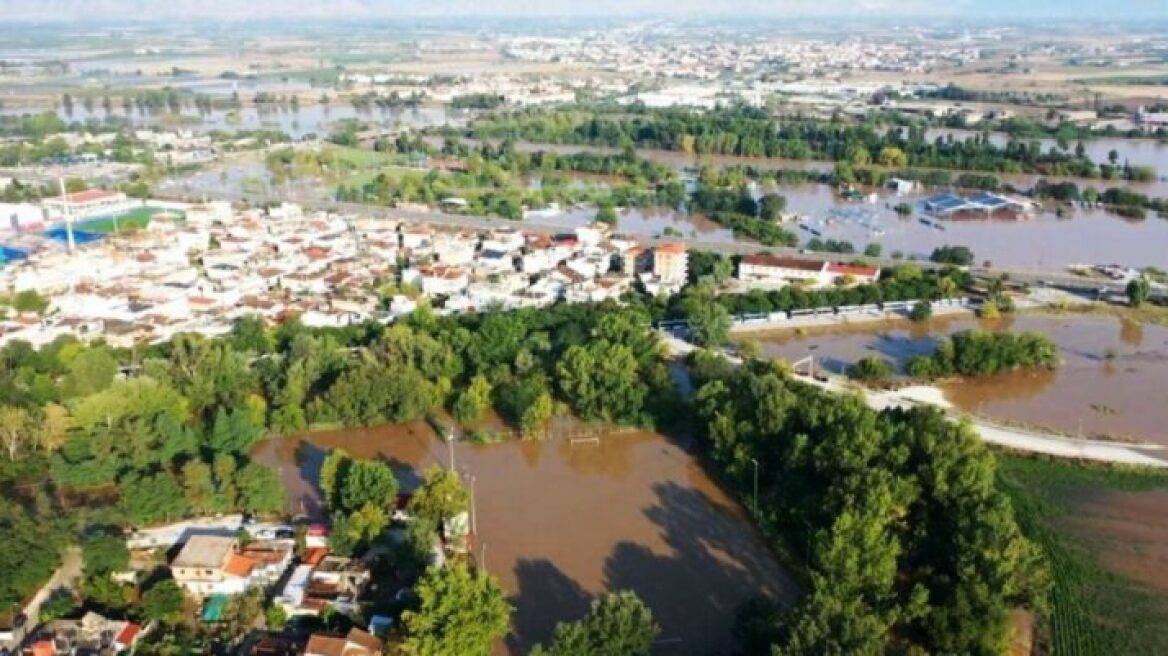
(1050, 444)
(66, 576)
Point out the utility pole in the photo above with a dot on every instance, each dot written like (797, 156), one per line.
(483, 556)
(474, 523)
(450, 444)
(65, 211)
(811, 362)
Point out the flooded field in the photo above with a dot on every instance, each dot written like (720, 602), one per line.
(563, 522)
(1111, 381)
(1044, 240)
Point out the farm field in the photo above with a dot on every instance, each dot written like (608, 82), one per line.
(1103, 534)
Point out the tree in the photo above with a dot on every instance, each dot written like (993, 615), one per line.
(921, 311)
(163, 602)
(618, 624)
(15, 430)
(233, 432)
(259, 489)
(29, 300)
(104, 554)
(709, 320)
(474, 400)
(150, 498)
(602, 381)
(332, 471)
(955, 255)
(459, 612)
(91, 371)
(893, 157)
(536, 416)
(1138, 290)
(440, 497)
(772, 206)
(276, 618)
(873, 250)
(870, 369)
(368, 481)
(198, 486)
(606, 213)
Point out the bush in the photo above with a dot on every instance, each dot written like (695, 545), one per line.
(921, 312)
(870, 369)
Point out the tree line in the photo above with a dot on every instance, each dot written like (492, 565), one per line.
(751, 132)
(906, 544)
(982, 353)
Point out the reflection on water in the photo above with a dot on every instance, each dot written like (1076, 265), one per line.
(563, 522)
(1112, 378)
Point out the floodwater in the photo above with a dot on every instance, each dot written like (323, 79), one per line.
(644, 222)
(1084, 236)
(1110, 383)
(562, 522)
(1137, 152)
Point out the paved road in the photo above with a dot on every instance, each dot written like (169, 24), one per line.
(1003, 436)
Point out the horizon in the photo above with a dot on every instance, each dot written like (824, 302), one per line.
(140, 11)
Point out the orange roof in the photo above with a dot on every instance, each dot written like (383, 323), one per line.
(43, 648)
(675, 247)
(87, 196)
(313, 555)
(852, 270)
(238, 565)
(128, 634)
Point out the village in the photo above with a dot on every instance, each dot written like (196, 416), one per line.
(197, 268)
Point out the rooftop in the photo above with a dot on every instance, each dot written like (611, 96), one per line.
(205, 551)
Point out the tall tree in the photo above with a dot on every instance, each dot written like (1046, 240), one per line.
(618, 624)
(459, 612)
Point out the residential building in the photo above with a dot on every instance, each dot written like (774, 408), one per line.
(88, 203)
(355, 643)
(671, 262)
(215, 565)
(762, 267)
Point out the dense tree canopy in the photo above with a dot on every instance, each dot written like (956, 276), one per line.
(459, 612)
(618, 624)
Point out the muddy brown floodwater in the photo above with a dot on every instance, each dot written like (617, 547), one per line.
(1111, 381)
(563, 522)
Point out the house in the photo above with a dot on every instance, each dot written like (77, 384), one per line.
(92, 634)
(438, 280)
(355, 643)
(671, 262)
(414, 237)
(635, 260)
(88, 203)
(21, 216)
(215, 565)
(762, 267)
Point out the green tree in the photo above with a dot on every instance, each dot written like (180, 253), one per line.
(151, 498)
(535, 418)
(772, 206)
(368, 481)
(870, 369)
(91, 371)
(459, 612)
(163, 602)
(709, 321)
(233, 432)
(441, 496)
(618, 624)
(332, 472)
(921, 311)
(873, 249)
(474, 400)
(259, 489)
(602, 381)
(606, 213)
(275, 618)
(1138, 290)
(198, 486)
(104, 554)
(29, 300)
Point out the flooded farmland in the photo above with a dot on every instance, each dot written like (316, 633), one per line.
(1111, 381)
(563, 522)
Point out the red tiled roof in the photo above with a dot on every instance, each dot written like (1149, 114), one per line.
(674, 247)
(128, 634)
(238, 565)
(87, 196)
(763, 259)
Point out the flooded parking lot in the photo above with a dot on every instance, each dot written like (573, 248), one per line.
(1111, 381)
(562, 522)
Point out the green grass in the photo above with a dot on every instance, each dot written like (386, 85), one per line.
(132, 220)
(1094, 611)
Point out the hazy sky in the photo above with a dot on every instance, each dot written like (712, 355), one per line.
(237, 9)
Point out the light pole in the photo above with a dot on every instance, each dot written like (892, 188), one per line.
(755, 461)
(450, 445)
(811, 349)
(483, 556)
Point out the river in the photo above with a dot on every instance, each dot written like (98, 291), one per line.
(1111, 381)
(563, 522)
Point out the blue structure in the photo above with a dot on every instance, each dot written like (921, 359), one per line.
(8, 254)
(59, 234)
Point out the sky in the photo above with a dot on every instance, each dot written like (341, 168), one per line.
(117, 10)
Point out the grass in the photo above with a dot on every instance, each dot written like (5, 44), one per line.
(1148, 313)
(132, 220)
(1124, 80)
(1093, 611)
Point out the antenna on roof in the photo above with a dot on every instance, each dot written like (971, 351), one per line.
(68, 215)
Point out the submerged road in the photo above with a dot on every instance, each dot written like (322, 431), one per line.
(1051, 444)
